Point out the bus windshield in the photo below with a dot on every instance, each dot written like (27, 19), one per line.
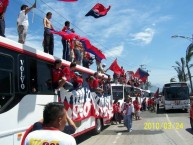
(117, 92)
(174, 93)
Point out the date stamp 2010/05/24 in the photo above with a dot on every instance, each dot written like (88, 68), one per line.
(163, 125)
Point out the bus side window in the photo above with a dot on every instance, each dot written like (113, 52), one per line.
(33, 76)
(6, 80)
(41, 77)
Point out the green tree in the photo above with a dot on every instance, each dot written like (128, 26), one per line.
(180, 69)
(189, 54)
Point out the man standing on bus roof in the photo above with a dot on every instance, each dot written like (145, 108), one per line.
(48, 41)
(3, 7)
(54, 121)
(22, 22)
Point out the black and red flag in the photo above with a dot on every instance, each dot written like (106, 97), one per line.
(141, 74)
(98, 11)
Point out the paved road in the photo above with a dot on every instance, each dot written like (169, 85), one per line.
(171, 128)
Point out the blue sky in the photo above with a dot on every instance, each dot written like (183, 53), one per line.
(134, 31)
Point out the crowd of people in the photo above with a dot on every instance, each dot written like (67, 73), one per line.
(129, 110)
(70, 79)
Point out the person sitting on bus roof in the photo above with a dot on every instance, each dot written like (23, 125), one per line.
(54, 121)
(77, 81)
(69, 71)
(58, 78)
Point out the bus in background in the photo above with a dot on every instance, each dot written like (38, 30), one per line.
(26, 87)
(121, 91)
(176, 96)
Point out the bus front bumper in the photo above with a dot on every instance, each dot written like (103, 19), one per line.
(183, 107)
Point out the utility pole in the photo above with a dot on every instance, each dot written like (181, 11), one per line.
(142, 66)
(147, 83)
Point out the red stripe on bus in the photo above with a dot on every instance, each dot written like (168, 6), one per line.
(20, 50)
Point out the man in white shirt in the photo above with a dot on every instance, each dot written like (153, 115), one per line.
(129, 113)
(22, 22)
(54, 121)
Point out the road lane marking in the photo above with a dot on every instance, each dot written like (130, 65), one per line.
(167, 117)
(117, 137)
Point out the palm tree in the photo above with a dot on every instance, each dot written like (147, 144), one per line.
(180, 69)
(189, 54)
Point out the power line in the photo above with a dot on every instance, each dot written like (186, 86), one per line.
(121, 59)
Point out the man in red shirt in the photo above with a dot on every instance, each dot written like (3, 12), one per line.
(137, 107)
(65, 43)
(58, 78)
(96, 87)
(3, 7)
(69, 73)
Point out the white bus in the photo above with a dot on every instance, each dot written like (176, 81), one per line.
(25, 87)
(176, 96)
(121, 91)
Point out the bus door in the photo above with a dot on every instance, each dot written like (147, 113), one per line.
(6, 81)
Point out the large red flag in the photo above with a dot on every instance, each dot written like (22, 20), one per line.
(65, 35)
(115, 67)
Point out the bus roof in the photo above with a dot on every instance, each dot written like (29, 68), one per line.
(175, 84)
(28, 50)
(125, 85)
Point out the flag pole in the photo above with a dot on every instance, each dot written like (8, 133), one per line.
(33, 13)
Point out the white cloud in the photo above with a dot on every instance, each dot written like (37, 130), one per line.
(144, 37)
(114, 52)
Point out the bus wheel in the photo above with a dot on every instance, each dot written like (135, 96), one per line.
(191, 123)
(98, 127)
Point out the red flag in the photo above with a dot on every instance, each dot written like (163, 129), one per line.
(156, 94)
(115, 67)
(68, 0)
(98, 52)
(65, 35)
